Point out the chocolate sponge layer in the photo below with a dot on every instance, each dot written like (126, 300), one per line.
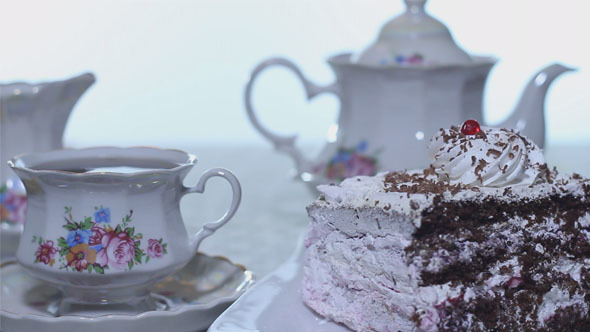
(474, 236)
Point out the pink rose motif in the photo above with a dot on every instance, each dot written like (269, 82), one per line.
(118, 249)
(97, 235)
(45, 253)
(360, 165)
(155, 249)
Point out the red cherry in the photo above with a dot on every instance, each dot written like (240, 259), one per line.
(470, 127)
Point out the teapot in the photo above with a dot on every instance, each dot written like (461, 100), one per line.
(395, 95)
(32, 119)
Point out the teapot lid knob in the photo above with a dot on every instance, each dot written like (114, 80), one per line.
(413, 38)
(415, 6)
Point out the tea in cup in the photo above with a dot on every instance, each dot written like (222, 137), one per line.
(104, 224)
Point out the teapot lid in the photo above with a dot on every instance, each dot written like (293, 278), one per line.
(413, 38)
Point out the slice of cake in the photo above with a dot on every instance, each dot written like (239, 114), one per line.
(487, 239)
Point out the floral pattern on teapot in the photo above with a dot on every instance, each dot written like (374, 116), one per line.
(94, 244)
(350, 162)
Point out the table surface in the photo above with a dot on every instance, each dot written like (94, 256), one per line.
(272, 215)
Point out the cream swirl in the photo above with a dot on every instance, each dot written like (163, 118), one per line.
(491, 158)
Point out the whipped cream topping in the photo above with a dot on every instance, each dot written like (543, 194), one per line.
(490, 158)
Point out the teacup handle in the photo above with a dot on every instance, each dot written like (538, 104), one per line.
(284, 143)
(211, 227)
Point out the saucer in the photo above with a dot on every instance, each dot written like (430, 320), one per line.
(266, 306)
(196, 295)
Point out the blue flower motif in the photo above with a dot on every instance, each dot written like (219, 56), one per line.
(341, 157)
(97, 247)
(362, 146)
(102, 215)
(78, 236)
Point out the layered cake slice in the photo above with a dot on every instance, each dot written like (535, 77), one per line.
(486, 239)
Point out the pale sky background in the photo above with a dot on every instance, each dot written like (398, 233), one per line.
(173, 72)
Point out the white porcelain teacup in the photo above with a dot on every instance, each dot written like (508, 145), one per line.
(103, 224)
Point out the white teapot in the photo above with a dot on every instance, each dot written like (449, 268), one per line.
(396, 94)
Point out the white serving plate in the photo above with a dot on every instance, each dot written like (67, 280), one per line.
(274, 304)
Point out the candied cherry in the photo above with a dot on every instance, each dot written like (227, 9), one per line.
(470, 127)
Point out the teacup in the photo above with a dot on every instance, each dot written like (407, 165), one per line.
(104, 224)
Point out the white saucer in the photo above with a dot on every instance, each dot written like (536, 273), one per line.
(274, 304)
(197, 295)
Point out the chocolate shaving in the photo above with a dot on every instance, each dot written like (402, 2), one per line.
(493, 152)
(481, 134)
(418, 184)
(503, 169)
(545, 170)
(429, 171)
(481, 165)
(446, 138)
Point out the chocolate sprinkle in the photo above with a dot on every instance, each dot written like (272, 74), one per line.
(494, 152)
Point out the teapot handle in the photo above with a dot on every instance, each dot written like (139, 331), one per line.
(211, 227)
(284, 143)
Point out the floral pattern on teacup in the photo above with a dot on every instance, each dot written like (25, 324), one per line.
(350, 162)
(94, 244)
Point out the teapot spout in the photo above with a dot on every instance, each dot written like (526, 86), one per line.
(529, 116)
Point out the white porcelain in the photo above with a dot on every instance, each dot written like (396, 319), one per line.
(9, 237)
(389, 112)
(196, 295)
(13, 204)
(275, 304)
(32, 119)
(104, 224)
(413, 38)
